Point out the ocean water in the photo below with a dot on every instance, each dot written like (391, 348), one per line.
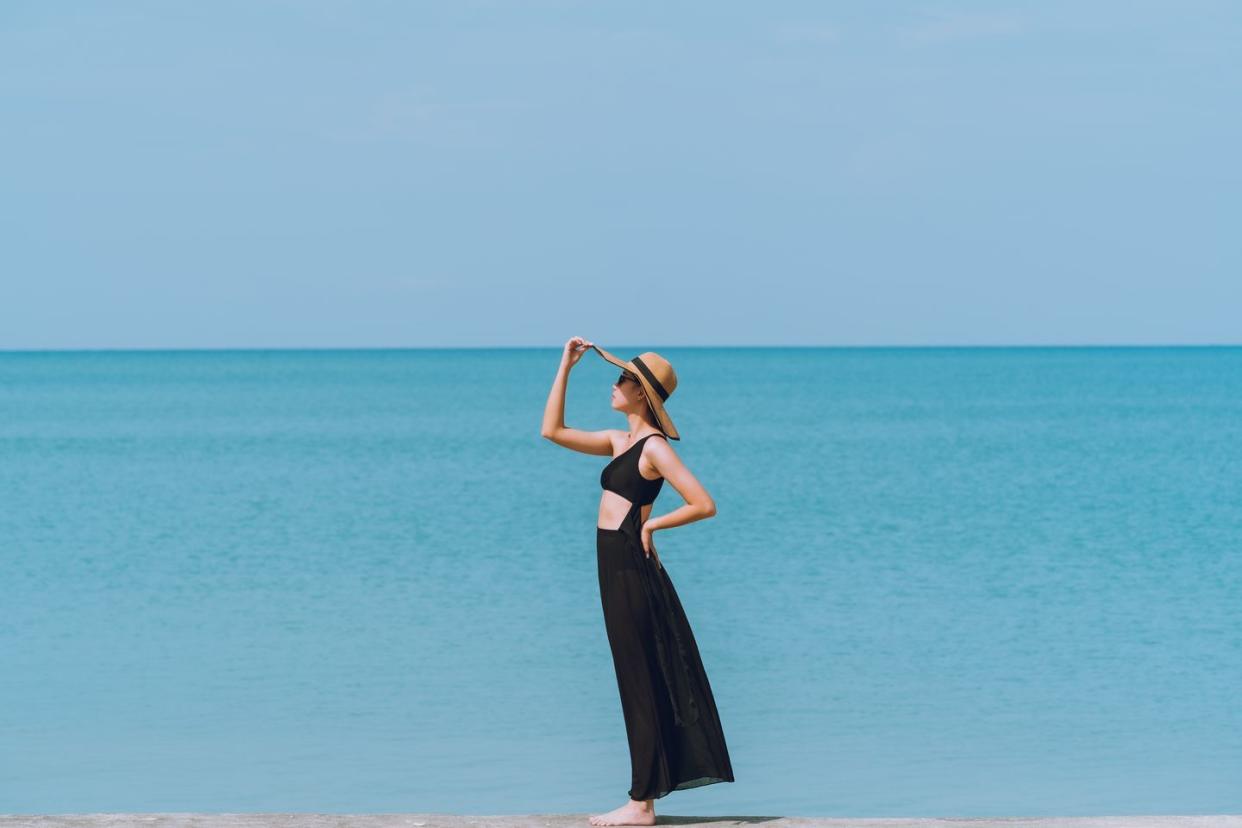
(941, 581)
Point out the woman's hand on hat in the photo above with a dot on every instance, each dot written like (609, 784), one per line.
(574, 349)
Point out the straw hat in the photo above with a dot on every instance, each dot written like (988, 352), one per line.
(658, 380)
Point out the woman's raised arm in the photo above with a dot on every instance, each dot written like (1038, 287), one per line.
(554, 429)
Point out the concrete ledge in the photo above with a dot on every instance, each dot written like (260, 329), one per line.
(264, 820)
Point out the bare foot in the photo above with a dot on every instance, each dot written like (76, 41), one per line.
(634, 812)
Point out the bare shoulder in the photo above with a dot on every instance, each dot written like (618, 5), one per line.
(618, 436)
(660, 443)
(660, 453)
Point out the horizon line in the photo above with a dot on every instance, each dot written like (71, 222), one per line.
(314, 349)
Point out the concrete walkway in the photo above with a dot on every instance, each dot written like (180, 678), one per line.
(577, 820)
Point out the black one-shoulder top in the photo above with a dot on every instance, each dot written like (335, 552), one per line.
(621, 476)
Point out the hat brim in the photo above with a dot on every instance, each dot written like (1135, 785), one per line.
(653, 399)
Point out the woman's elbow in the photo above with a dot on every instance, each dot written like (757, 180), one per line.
(709, 509)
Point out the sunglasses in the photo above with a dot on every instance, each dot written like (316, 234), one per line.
(624, 376)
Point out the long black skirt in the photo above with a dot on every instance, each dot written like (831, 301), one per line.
(675, 738)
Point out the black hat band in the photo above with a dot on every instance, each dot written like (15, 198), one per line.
(655, 383)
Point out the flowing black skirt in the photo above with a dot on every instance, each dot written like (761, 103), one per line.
(674, 731)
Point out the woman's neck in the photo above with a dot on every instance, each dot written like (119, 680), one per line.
(640, 426)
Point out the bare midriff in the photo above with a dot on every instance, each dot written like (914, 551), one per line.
(613, 508)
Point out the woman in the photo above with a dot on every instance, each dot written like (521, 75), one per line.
(671, 723)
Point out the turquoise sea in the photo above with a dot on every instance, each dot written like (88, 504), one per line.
(941, 581)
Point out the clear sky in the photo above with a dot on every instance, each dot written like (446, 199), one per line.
(297, 173)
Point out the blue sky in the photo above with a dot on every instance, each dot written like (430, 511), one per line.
(297, 173)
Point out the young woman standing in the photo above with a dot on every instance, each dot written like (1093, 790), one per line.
(671, 723)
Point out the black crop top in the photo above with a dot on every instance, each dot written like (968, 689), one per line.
(621, 476)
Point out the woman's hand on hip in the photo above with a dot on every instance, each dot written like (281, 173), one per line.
(649, 543)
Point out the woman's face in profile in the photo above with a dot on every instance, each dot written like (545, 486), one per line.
(626, 390)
